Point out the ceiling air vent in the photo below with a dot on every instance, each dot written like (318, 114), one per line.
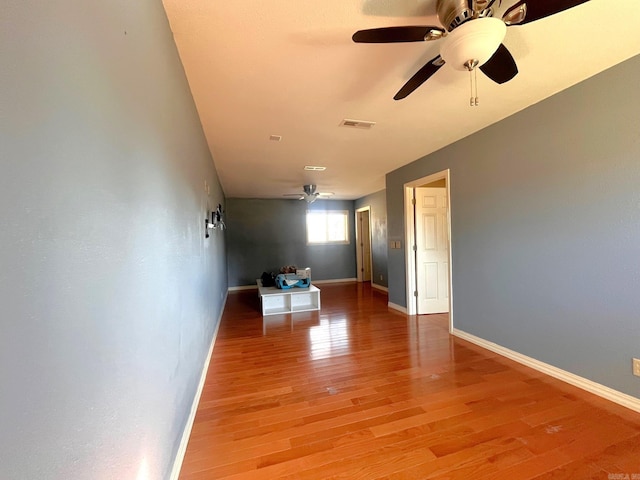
(347, 122)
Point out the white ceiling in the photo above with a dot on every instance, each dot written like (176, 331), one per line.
(290, 68)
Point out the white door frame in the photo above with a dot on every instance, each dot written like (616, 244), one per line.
(410, 238)
(359, 265)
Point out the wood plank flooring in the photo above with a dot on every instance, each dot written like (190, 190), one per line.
(359, 391)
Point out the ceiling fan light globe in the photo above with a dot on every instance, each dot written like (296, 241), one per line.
(476, 39)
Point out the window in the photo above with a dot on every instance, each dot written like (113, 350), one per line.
(327, 226)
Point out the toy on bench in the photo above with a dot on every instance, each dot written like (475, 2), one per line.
(293, 277)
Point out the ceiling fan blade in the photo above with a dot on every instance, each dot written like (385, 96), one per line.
(421, 76)
(527, 11)
(397, 34)
(501, 67)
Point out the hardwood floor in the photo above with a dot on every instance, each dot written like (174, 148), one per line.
(358, 391)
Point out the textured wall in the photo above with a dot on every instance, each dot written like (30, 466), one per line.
(264, 235)
(378, 208)
(545, 227)
(109, 291)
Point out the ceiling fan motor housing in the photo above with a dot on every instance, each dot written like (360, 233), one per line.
(453, 13)
(309, 189)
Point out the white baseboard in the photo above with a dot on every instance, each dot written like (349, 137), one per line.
(379, 287)
(243, 287)
(335, 280)
(184, 441)
(397, 307)
(620, 398)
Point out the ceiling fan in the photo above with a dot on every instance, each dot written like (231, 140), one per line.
(471, 37)
(309, 194)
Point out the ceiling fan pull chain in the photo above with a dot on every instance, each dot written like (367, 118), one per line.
(475, 74)
(473, 87)
(470, 88)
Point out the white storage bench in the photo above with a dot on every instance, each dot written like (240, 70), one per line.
(275, 300)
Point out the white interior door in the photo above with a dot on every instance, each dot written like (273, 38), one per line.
(366, 247)
(432, 250)
(363, 246)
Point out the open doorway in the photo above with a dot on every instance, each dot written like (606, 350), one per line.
(428, 246)
(363, 244)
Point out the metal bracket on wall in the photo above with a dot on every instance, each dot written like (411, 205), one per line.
(216, 221)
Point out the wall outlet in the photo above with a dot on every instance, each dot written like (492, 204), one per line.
(381, 277)
(636, 367)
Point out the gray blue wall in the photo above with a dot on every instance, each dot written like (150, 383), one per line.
(545, 212)
(378, 208)
(264, 235)
(110, 293)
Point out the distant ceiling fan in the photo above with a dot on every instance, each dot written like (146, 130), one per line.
(309, 194)
(471, 37)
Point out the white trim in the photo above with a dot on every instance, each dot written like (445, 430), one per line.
(397, 307)
(242, 287)
(379, 287)
(359, 241)
(409, 224)
(620, 398)
(409, 236)
(186, 433)
(335, 280)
